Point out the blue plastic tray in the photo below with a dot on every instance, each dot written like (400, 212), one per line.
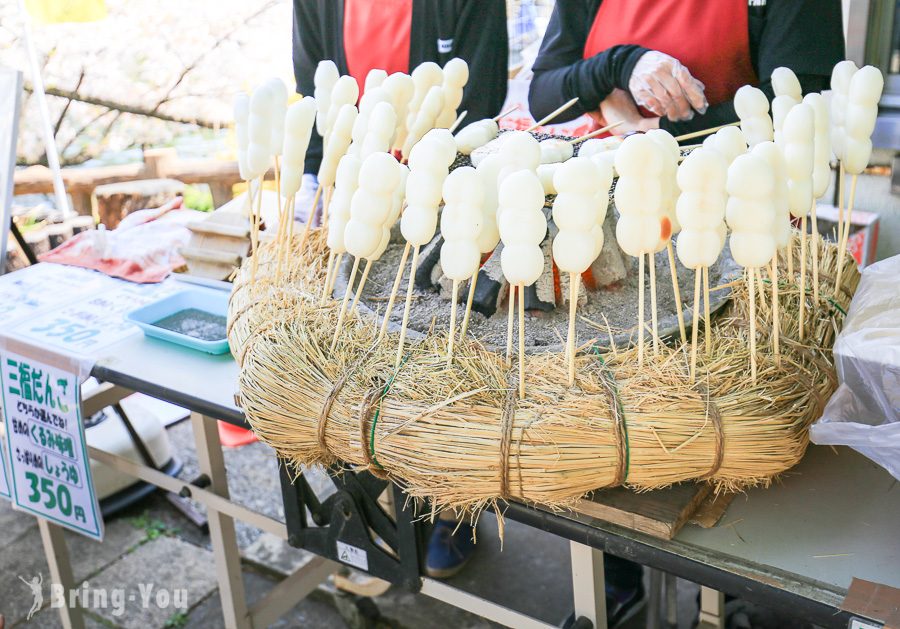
(211, 301)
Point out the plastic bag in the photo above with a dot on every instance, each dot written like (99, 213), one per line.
(864, 413)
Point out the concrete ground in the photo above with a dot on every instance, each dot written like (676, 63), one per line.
(161, 567)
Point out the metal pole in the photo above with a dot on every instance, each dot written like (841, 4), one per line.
(37, 82)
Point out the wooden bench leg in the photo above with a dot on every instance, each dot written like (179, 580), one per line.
(57, 555)
(588, 584)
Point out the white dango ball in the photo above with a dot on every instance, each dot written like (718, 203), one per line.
(750, 177)
(750, 102)
(418, 224)
(335, 240)
(371, 209)
(574, 251)
(521, 148)
(579, 175)
(667, 141)
(460, 259)
(748, 215)
(638, 156)
(570, 212)
(423, 189)
(866, 86)
(258, 159)
(347, 173)
(785, 82)
(752, 249)
(383, 119)
(374, 78)
(300, 116)
(728, 142)
(546, 173)
(856, 155)
(475, 135)
(860, 120)
(380, 173)
(428, 155)
(702, 170)
(521, 226)
(462, 222)
(592, 147)
(463, 187)
(445, 140)
(456, 72)
(522, 264)
(360, 239)
(554, 150)
(699, 248)
(633, 195)
(521, 188)
(637, 233)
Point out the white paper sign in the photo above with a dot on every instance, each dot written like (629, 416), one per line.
(50, 472)
(40, 287)
(352, 555)
(4, 483)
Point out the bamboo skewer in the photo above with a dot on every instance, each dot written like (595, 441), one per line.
(505, 113)
(458, 121)
(802, 315)
(700, 134)
(707, 330)
(337, 266)
(842, 246)
(752, 291)
(594, 134)
(698, 273)
(651, 261)
(359, 289)
(553, 114)
(409, 293)
(311, 217)
(840, 225)
(521, 292)
(465, 324)
(679, 307)
(397, 279)
(776, 319)
(326, 205)
(641, 310)
(329, 269)
(452, 331)
(509, 324)
(570, 338)
(254, 234)
(340, 321)
(814, 245)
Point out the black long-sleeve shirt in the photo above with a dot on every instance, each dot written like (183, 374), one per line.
(474, 30)
(804, 35)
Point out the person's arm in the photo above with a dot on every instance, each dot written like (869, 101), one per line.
(803, 35)
(481, 40)
(308, 50)
(560, 72)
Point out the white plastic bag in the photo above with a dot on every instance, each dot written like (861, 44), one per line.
(864, 413)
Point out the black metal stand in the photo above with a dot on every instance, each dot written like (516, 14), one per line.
(24, 246)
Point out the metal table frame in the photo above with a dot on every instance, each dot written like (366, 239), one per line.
(589, 538)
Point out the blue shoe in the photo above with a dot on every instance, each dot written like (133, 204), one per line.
(448, 551)
(623, 604)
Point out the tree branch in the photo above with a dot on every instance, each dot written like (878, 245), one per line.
(125, 108)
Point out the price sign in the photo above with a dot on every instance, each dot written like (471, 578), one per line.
(50, 474)
(37, 288)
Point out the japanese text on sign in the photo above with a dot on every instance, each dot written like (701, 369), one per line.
(50, 473)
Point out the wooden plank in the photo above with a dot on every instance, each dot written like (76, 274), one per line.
(659, 513)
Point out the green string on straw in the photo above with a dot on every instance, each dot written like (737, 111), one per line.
(384, 392)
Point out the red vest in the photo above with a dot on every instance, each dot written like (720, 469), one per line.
(376, 35)
(710, 37)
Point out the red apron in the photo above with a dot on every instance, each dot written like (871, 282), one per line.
(376, 35)
(710, 38)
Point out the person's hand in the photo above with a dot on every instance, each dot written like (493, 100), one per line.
(620, 107)
(662, 85)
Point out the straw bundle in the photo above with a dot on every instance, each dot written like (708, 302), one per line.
(456, 434)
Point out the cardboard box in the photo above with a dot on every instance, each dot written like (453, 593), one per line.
(863, 240)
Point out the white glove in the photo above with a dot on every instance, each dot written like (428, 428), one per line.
(662, 85)
(304, 200)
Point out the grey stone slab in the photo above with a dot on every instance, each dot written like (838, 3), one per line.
(276, 555)
(25, 558)
(49, 619)
(164, 564)
(13, 523)
(311, 612)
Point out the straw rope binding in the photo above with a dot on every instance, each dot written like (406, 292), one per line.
(458, 435)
